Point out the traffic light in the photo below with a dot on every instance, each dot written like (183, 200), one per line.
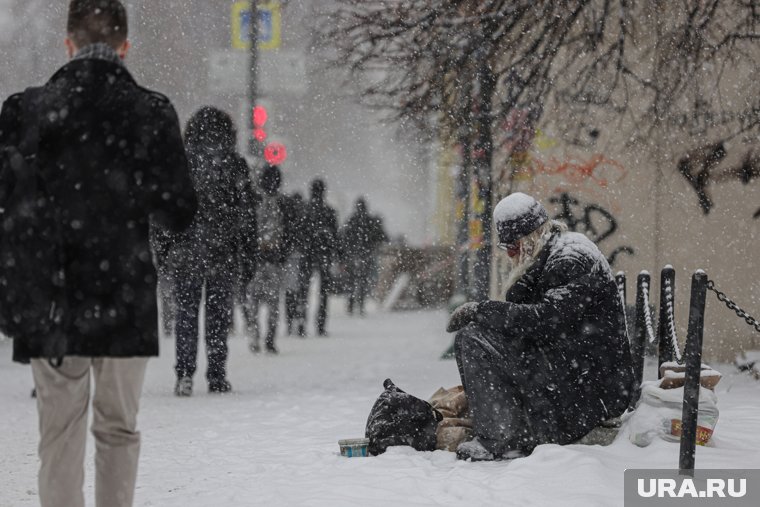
(274, 153)
(260, 116)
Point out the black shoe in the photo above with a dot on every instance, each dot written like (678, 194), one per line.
(219, 386)
(184, 387)
(322, 332)
(473, 450)
(272, 349)
(302, 331)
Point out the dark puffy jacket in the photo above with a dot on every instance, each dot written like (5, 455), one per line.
(113, 157)
(290, 229)
(321, 230)
(225, 224)
(362, 234)
(212, 243)
(567, 308)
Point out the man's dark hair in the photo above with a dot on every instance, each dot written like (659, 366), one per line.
(92, 21)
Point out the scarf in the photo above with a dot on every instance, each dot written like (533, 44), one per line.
(99, 51)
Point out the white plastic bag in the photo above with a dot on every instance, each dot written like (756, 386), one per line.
(658, 414)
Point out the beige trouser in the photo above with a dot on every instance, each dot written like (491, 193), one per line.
(63, 395)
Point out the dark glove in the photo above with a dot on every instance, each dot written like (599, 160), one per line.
(463, 315)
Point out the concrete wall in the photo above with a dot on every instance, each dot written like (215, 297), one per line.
(623, 188)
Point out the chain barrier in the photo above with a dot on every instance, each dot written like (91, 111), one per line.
(733, 306)
(647, 313)
(671, 325)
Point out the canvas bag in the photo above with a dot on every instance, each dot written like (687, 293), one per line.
(456, 426)
(398, 418)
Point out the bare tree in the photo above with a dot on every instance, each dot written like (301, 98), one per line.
(448, 63)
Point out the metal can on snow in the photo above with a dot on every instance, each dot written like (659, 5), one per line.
(354, 447)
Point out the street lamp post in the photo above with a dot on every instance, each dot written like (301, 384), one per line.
(254, 146)
(486, 83)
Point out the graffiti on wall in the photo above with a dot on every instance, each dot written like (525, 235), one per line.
(598, 170)
(591, 219)
(703, 166)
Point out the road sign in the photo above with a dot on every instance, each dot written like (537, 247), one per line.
(269, 25)
(281, 72)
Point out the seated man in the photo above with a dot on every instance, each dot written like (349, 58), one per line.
(552, 361)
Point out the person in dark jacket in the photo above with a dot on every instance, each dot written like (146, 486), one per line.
(552, 361)
(111, 157)
(275, 219)
(320, 247)
(360, 237)
(206, 255)
(247, 244)
(295, 307)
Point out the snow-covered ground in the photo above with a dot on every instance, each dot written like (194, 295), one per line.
(274, 441)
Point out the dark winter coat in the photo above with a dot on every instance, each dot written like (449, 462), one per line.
(567, 308)
(247, 246)
(320, 231)
(290, 231)
(214, 242)
(361, 235)
(111, 153)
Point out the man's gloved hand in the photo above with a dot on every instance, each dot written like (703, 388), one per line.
(463, 315)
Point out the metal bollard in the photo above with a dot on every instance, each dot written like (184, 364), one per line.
(664, 348)
(693, 360)
(621, 285)
(638, 339)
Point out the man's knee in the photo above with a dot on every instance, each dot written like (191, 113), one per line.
(474, 339)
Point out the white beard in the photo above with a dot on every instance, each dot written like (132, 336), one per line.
(519, 265)
(530, 247)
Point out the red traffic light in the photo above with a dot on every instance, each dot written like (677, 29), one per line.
(259, 134)
(259, 116)
(275, 153)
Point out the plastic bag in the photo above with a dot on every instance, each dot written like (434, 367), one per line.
(659, 411)
(398, 418)
(455, 427)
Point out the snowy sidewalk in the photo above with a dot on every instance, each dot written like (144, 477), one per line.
(274, 440)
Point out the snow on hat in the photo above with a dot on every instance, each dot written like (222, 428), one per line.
(517, 215)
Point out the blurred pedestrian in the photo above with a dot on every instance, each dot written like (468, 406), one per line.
(206, 255)
(295, 306)
(360, 237)
(109, 156)
(275, 219)
(320, 250)
(246, 235)
(161, 244)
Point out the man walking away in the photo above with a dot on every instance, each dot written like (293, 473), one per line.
(295, 307)
(320, 249)
(275, 220)
(110, 156)
(207, 254)
(361, 236)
